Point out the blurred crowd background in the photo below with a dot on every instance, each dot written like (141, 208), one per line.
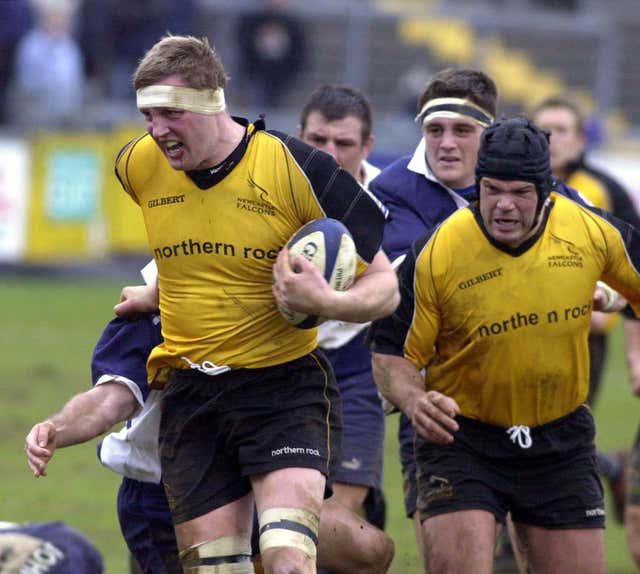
(67, 106)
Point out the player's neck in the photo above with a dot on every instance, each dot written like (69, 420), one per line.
(230, 135)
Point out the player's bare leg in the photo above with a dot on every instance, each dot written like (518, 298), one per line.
(348, 544)
(288, 502)
(351, 495)
(417, 527)
(632, 524)
(564, 551)
(460, 542)
(224, 534)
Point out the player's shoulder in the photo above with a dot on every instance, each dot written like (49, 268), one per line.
(137, 160)
(451, 227)
(137, 147)
(567, 214)
(309, 158)
(392, 173)
(457, 221)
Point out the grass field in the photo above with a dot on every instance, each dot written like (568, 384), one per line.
(48, 330)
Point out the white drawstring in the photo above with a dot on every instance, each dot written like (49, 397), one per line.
(207, 367)
(520, 434)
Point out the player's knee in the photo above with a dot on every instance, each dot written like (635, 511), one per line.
(379, 552)
(229, 554)
(288, 539)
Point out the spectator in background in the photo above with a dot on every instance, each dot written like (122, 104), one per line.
(51, 547)
(15, 21)
(135, 26)
(272, 51)
(49, 68)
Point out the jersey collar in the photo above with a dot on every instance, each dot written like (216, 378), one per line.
(206, 178)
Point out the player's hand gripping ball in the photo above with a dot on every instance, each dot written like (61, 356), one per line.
(327, 244)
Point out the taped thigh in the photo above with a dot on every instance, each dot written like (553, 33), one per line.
(226, 555)
(292, 527)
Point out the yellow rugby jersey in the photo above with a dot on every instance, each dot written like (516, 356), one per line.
(215, 246)
(504, 331)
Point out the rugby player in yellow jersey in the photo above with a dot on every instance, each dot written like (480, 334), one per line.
(250, 408)
(496, 305)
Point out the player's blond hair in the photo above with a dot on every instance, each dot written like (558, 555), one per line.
(191, 58)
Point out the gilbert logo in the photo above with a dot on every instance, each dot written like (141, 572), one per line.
(168, 200)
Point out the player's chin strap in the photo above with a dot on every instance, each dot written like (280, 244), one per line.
(226, 555)
(292, 527)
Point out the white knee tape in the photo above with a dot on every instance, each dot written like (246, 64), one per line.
(226, 555)
(293, 527)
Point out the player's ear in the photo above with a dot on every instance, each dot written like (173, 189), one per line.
(368, 144)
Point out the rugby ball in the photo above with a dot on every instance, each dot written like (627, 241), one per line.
(328, 244)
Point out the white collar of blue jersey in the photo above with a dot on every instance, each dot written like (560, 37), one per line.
(418, 164)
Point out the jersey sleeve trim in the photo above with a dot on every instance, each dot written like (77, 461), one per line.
(135, 389)
(123, 177)
(340, 196)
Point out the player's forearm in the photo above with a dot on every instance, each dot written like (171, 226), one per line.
(91, 414)
(374, 296)
(398, 381)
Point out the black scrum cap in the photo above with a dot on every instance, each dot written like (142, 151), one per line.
(517, 150)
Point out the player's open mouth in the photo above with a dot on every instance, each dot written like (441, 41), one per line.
(505, 224)
(173, 148)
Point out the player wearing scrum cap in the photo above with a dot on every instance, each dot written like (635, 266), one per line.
(496, 305)
(250, 408)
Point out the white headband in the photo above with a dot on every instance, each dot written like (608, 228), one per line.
(453, 108)
(205, 101)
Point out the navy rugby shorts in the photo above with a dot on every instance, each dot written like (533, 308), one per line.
(546, 476)
(363, 432)
(147, 527)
